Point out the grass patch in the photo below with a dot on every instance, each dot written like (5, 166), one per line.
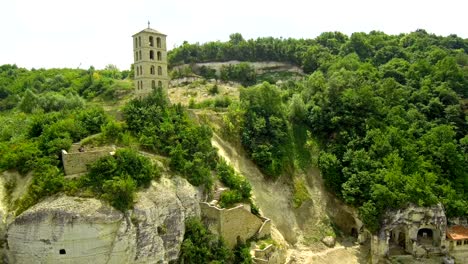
(300, 194)
(303, 156)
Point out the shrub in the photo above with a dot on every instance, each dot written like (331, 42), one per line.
(116, 178)
(234, 181)
(214, 90)
(200, 246)
(120, 192)
(47, 180)
(229, 198)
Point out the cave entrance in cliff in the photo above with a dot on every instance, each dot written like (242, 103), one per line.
(62, 251)
(426, 236)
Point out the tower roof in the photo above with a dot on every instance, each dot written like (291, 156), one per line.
(150, 30)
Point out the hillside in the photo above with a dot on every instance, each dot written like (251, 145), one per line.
(340, 132)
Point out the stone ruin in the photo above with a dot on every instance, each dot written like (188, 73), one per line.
(420, 232)
(77, 159)
(235, 224)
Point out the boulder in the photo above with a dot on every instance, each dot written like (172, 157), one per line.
(329, 241)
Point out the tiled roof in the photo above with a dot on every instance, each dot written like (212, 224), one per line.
(149, 30)
(457, 232)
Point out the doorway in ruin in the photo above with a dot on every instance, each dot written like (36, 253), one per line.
(426, 236)
(397, 242)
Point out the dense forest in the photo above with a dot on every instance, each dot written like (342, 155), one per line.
(382, 116)
(387, 112)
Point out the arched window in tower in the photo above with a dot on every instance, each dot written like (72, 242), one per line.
(136, 56)
(159, 84)
(159, 55)
(139, 41)
(138, 85)
(151, 55)
(139, 53)
(137, 71)
(153, 84)
(151, 41)
(159, 70)
(158, 42)
(136, 42)
(152, 70)
(141, 84)
(141, 70)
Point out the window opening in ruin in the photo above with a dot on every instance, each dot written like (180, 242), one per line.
(139, 41)
(153, 84)
(141, 69)
(159, 56)
(159, 84)
(152, 70)
(139, 54)
(137, 70)
(151, 55)
(459, 243)
(136, 42)
(151, 42)
(159, 70)
(141, 85)
(62, 251)
(136, 56)
(465, 242)
(158, 42)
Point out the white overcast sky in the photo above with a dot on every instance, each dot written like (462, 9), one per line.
(80, 33)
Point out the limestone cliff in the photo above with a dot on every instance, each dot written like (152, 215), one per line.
(85, 230)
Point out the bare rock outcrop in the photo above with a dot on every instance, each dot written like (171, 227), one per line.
(86, 230)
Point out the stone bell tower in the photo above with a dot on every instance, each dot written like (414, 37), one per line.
(150, 61)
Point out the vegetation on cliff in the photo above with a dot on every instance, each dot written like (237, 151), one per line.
(201, 246)
(47, 119)
(386, 115)
(385, 111)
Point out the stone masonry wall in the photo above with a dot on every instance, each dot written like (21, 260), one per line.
(75, 163)
(234, 223)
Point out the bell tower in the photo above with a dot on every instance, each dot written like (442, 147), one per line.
(150, 61)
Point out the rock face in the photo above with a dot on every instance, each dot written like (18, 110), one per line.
(85, 230)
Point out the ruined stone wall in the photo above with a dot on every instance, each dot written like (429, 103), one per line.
(211, 217)
(234, 223)
(239, 223)
(410, 221)
(76, 162)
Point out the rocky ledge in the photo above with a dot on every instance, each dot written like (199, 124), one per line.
(85, 230)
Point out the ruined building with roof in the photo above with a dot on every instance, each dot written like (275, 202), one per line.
(150, 61)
